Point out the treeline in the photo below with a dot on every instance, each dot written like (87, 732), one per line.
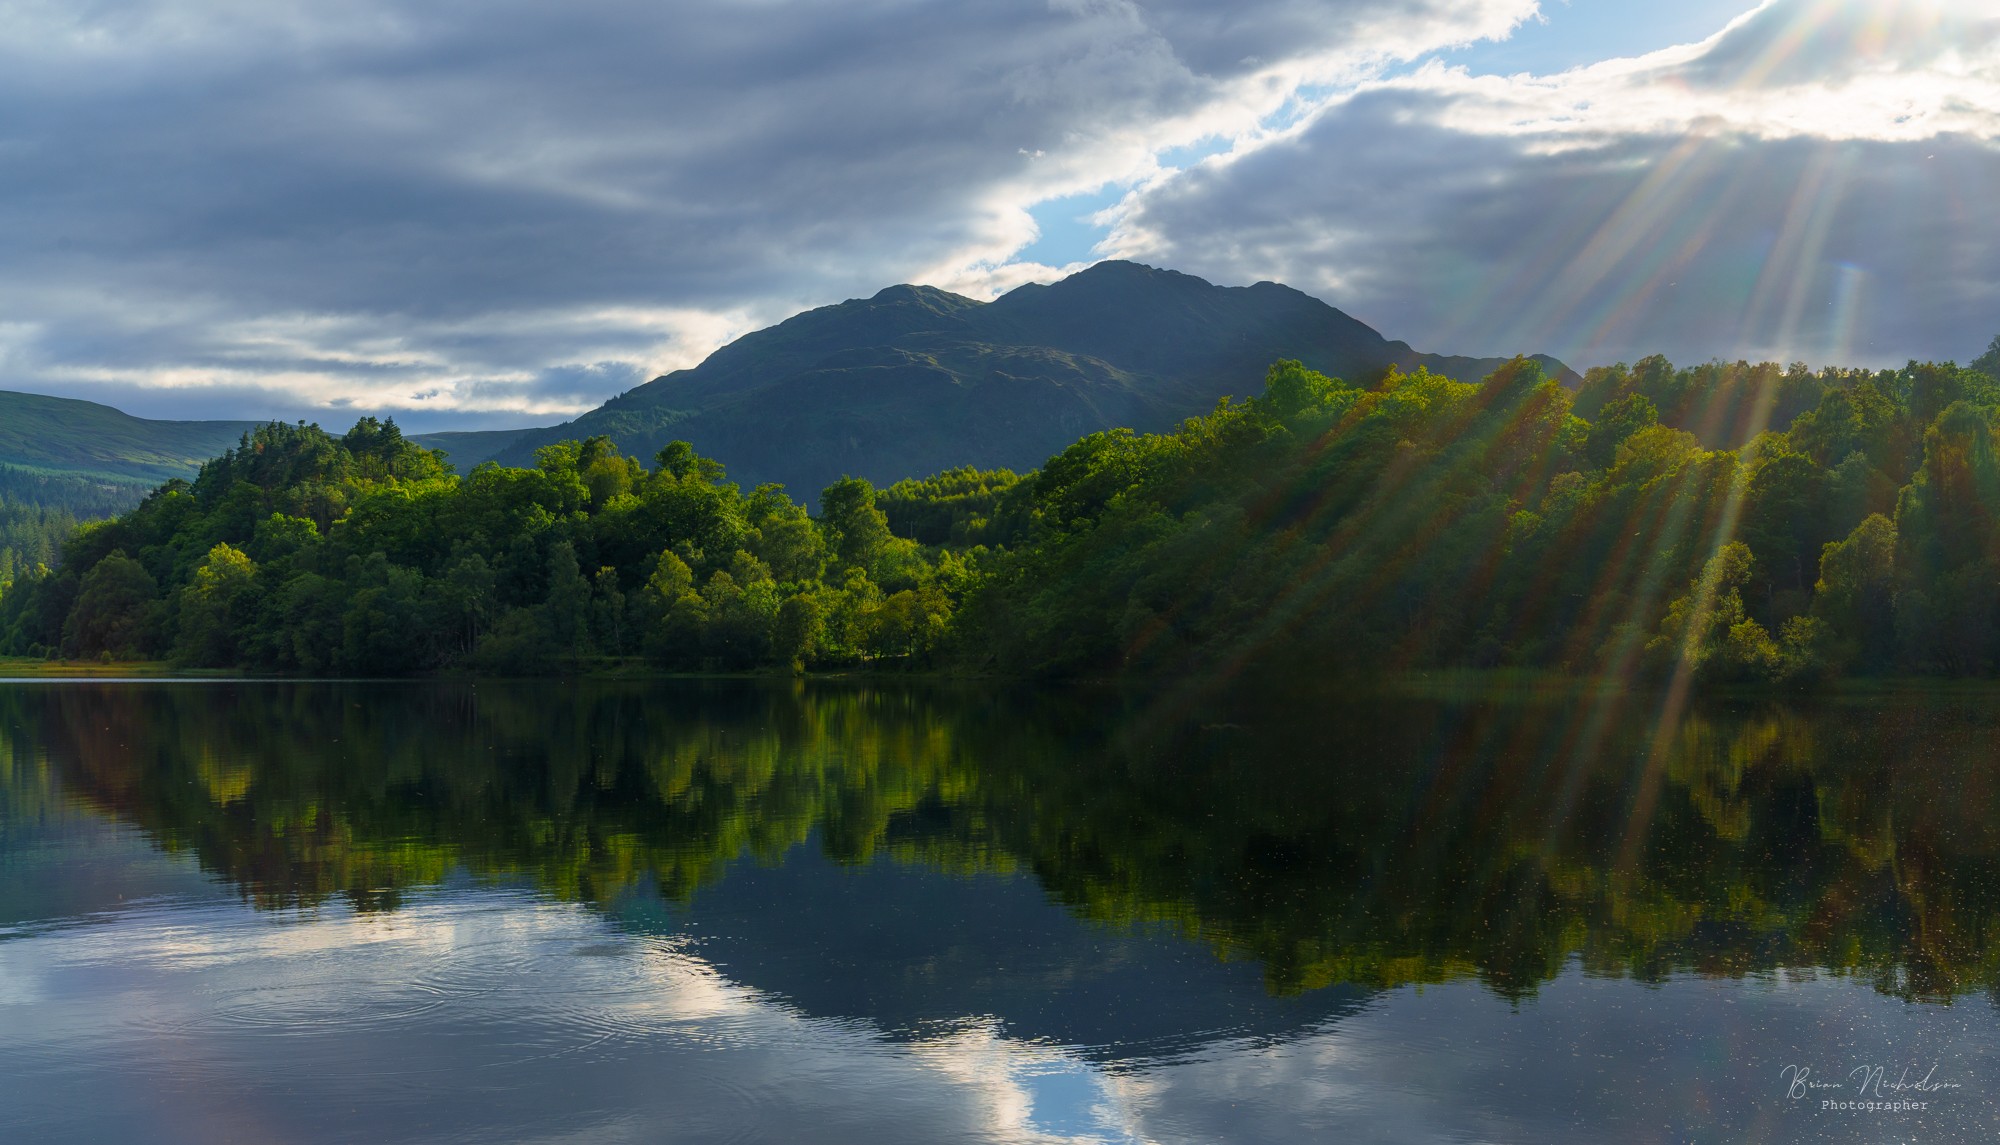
(83, 496)
(364, 554)
(1852, 528)
(1427, 523)
(31, 537)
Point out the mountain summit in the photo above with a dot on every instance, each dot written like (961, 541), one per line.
(916, 380)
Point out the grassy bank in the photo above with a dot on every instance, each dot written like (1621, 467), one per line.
(25, 668)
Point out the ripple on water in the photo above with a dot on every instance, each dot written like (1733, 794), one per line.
(307, 1008)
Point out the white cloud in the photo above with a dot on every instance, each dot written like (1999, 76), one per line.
(1806, 183)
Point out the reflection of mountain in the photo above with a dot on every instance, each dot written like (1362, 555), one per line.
(1375, 844)
(915, 951)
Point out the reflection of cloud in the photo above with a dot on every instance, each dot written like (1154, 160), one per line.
(407, 197)
(1030, 1092)
(1718, 199)
(495, 1014)
(490, 1012)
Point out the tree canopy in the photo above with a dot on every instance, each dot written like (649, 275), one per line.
(1724, 523)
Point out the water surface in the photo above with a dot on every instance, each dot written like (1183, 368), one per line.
(738, 911)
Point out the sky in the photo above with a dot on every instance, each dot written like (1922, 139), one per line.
(474, 215)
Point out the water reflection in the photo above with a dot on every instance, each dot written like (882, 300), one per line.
(867, 913)
(1366, 846)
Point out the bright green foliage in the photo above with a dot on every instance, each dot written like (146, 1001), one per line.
(215, 607)
(1620, 420)
(857, 531)
(1335, 524)
(1706, 632)
(364, 554)
(1429, 523)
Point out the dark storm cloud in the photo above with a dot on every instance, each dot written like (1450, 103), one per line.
(1620, 212)
(449, 194)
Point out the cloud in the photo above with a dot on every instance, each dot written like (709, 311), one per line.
(1805, 184)
(385, 198)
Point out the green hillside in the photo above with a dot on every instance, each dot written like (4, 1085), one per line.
(65, 436)
(467, 448)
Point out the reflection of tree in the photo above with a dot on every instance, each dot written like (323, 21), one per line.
(1384, 843)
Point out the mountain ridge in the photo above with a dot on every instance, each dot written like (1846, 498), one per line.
(913, 379)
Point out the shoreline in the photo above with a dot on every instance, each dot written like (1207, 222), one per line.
(1443, 684)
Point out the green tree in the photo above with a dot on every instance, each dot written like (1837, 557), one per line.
(566, 611)
(680, 461)
(674, 612)
(217, 601)
(782, 535)
(856, 530)
(605, 474)
(1856, 595)
(798, 630)
(117, 610)
(1616, 422)
(467, 594)
(1707, 631)
(607, 611)
(1784, 522)
(389, 625)
(1291, 389)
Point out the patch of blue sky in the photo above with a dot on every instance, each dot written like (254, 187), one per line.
(1570, 34)
(1573, 33)
(1067, 233)
(1193, 153)
(1304, 102)
(1069, 1102)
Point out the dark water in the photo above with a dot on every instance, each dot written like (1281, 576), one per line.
(740, 912)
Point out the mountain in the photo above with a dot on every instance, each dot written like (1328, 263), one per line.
(916, 380)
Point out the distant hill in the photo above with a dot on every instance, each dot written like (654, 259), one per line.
(468, 447)
(916, 380)
(89, 460)
(83, 439)
(96, 461)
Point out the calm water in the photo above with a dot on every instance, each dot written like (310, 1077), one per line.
(709, 912)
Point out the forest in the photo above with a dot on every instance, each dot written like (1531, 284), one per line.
(40, 509)
(1724, 523)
